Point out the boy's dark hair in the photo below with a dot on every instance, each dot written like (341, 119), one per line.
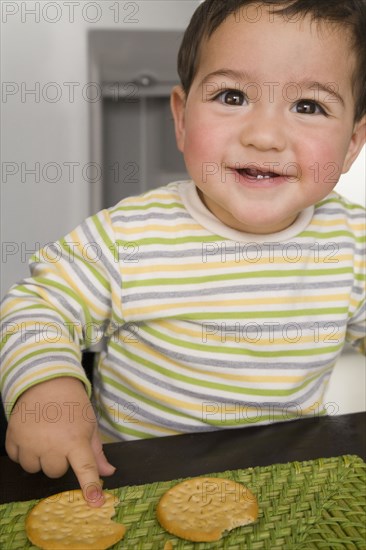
(349, 14)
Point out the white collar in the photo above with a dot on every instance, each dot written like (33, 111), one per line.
(201, 214)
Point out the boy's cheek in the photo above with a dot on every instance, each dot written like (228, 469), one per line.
(323, 164)
(324, 175)
(198, 151)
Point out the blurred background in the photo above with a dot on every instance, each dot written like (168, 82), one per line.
(85, 121)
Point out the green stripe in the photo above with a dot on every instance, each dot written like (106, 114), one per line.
(138, 397)
(85, 381)
(241, 422)
(239, 351)
(47, 307)
(13, 312)
(165, 206)
(220, 315)
(102, 233)
(207, 384)
(247, 421)
(68, 326)
(240, 275)
(339, 200)
(123, 428)
(333, 234)
(67, 290)
(95, 273)
(137, 433)
(171, 240)
(42, 351)
(53, 284)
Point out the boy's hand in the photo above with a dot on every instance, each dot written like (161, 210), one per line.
(52, 426)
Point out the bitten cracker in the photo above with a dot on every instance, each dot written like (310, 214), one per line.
(66, 522)
(202, 508)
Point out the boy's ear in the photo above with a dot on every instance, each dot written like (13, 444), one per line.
(358, 140)
(177, 105)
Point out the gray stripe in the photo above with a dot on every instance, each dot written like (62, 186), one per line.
(89, 284)
(231, 249)
(335, 210)
(60, 358)
(73, 266)
(114, 273)
(241, 288)
(267, 364)
(269, 328)
(273, 406)
(148, 416)
(35, 315)
(60, 298)
(360, 314)
(157, 216)
(22, 336)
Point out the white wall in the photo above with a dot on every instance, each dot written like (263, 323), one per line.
(353, 184)
(39, 52)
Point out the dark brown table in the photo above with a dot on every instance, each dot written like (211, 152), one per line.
(174, 457)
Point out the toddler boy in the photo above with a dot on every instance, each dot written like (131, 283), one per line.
(225, 300)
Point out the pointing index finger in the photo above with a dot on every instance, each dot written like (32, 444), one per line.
(83, 463)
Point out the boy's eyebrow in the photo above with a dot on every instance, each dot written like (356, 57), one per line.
(230, 73)
(331, 88)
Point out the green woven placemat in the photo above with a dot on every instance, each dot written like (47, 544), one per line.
(316, 504)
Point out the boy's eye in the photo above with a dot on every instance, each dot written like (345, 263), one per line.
(308, 107)
(231, 97)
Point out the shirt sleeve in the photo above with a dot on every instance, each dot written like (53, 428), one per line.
(71, 299)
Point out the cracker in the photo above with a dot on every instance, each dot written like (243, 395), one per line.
(202, 508)
(66, 522)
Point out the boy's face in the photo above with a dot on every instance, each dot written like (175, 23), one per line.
(262, 99)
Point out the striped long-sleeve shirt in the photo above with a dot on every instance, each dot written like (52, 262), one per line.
(203, 327)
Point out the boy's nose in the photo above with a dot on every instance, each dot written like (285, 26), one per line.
(263, 130)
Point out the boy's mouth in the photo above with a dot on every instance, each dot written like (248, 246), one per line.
(256, 174)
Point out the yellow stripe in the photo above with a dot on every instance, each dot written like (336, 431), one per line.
(24, 300)
(126, 418)
(232, 337)
(218, 305)
(25, 348)
(354, 303)
(213, 375)
(181, 405)
(338, 222)
(151, 196)
(45, 294)
(360, 263)
(209, 266)
(145, 391)
(67, 281)
(63, 370)
(138, 423)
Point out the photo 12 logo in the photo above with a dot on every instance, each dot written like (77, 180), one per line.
(14, 172)
(68, 92)
(70, 12)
